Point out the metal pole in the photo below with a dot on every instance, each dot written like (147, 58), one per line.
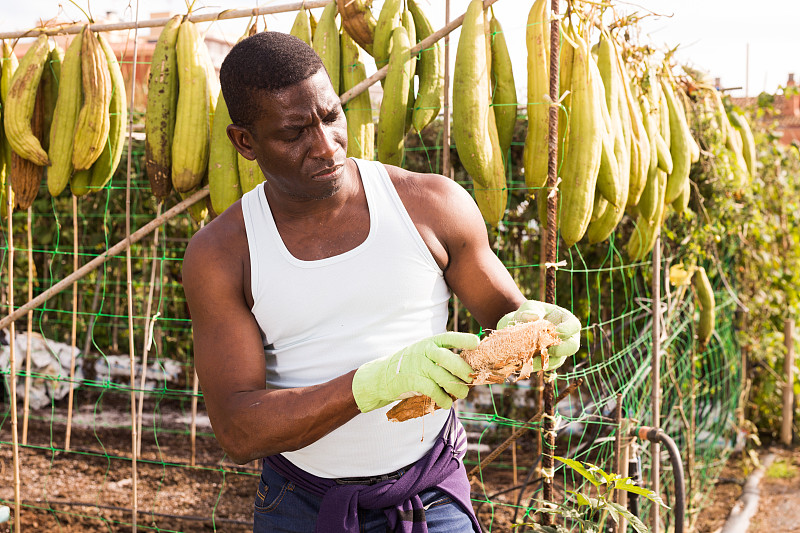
(551, 257)
(655, 379)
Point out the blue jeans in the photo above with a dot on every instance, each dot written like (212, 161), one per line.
(282, 506)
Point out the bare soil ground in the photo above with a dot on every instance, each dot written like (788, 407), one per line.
(90, 487)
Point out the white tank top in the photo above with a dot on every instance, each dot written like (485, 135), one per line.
(321, 319)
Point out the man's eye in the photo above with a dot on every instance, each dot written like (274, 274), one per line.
(332, 117)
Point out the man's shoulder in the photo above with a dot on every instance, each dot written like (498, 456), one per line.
(221, 240)
(431, 190)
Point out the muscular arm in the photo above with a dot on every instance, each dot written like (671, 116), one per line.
(249, 422)
(451, 225)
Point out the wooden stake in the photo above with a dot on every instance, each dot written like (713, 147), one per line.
(788, 385)
(447, 169)
(129, 273)
(29, 340)
(148, 340)
(616, 468)
(624, 471)
(74, 333)
(117, 311)
(655, 382)
(193, 430)
(514, 463)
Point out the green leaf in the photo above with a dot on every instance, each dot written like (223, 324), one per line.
(581, 498)
(607, 478)
(612, 511)
(579, 468)
(636, 489)
(634, 521)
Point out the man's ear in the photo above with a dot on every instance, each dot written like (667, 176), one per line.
(242, 141)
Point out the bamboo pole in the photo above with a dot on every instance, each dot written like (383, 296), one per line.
(193, 428)
(65, 29)
(129, 273)
(655, 381)
(551, 259)
(618, 460)
(121, 246)
(12, 363)
(28, 348)
(788, 385)
(447, 169)
(74, 332)
(195, 389)
(148, 341)
(446, 103)
(423, 44)
(114, 326)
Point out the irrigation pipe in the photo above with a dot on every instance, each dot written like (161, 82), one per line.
(658, 436)
(747, 505)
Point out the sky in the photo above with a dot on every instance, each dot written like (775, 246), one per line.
(751, 46)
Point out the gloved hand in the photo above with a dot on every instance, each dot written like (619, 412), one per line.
(568, 328)
(426, 367)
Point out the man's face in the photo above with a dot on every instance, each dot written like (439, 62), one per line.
(300, 138)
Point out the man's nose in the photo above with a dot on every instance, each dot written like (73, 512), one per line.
(325, 144)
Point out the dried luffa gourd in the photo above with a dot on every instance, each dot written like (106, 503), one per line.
(503, 354)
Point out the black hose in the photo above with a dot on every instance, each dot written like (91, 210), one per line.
(677, 473)
(657, 435)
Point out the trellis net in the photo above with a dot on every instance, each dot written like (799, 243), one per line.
(182, 481)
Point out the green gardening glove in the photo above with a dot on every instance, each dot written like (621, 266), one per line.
(426, 367)
(568, 328)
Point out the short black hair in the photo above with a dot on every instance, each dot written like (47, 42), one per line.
(266, 62)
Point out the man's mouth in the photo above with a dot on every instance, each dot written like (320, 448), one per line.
(328, 173)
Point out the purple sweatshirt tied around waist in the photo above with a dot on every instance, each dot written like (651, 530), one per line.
(441, 467)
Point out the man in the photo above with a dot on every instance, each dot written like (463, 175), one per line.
(330, 283)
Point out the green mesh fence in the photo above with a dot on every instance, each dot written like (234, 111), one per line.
(184, 482)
